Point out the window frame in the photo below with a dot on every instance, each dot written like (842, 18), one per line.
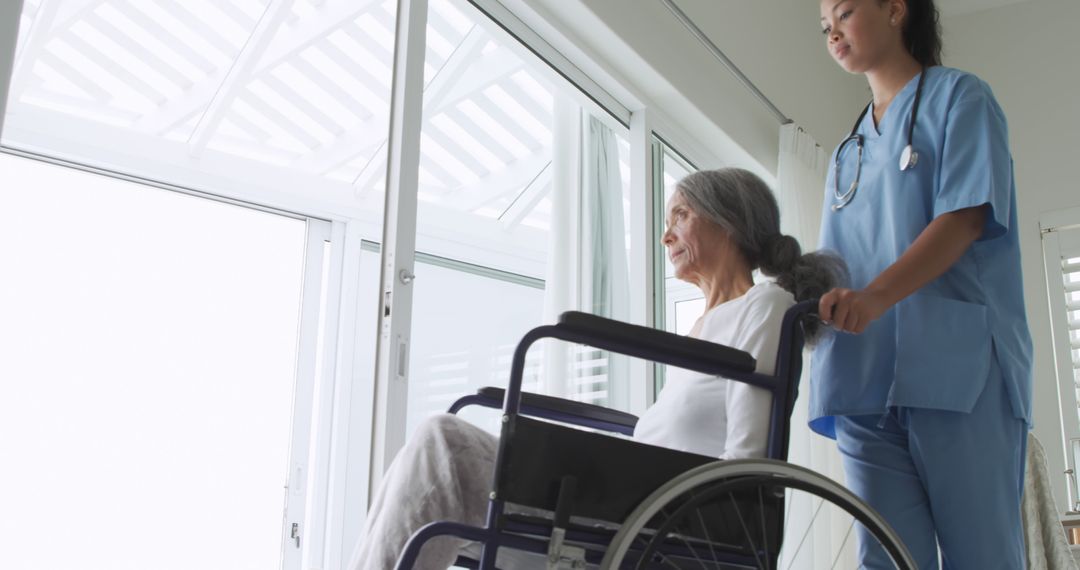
(1050, 226)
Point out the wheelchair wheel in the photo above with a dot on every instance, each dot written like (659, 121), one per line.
(737, 514)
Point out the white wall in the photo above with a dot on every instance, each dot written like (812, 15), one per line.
(1029, 53)
(777, 44)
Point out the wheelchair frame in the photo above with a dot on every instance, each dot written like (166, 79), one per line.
(622, 338)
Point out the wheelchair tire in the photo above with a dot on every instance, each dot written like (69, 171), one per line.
(663, 517)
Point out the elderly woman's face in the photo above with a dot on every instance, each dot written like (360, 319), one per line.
(692, 241)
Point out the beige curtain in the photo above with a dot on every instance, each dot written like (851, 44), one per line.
(800, 192)
(1047, 548)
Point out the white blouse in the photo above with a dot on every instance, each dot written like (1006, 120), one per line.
(715, 416)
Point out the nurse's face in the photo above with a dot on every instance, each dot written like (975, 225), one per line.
(861, 33)
(694, 244)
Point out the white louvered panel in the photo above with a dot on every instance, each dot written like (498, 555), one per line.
(589, 376)
(1070, 275)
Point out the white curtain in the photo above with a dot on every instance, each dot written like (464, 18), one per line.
(587, 265)
(800, 191)
(605, 281)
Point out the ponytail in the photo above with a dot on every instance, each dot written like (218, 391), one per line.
(805, 276)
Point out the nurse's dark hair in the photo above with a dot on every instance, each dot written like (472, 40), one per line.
(743, 206)
(922, 32)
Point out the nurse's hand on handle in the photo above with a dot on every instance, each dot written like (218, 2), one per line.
(851, 311)
(940, 245)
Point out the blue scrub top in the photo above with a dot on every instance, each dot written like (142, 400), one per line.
(932, 349)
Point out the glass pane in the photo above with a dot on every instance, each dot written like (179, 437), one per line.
(459, 346)
(687, 313)
(251, 98)
(486, 147)
(683, 303)
(149, 354)
(681, 298)
(675, 169)
(517, 176)
(278, 103)
(360, 429)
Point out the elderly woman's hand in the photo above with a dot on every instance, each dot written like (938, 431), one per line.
(851, 310)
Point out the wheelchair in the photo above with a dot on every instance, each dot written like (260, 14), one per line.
(616, 503)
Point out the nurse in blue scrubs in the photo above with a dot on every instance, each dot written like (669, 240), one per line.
(926, 386)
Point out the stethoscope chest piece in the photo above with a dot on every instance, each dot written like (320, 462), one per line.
(908, 158)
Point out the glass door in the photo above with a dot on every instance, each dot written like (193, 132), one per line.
(523, 209)
(157, 374)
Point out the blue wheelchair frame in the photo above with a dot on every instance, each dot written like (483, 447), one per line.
(622, 338)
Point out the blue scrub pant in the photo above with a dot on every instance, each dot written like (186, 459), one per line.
(942, 478)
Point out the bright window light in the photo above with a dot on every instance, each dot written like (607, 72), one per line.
(452, 15)
(376, 30)
(196, 42)
(535, 89)
(149, 353)
(121, 57)
(152, 44)
(302, 121)
(446, 159)
(478, 151)
(538, 130)
(442, 47)
(330, 68)
(493, 128)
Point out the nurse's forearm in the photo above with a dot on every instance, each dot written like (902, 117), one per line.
(936, 249)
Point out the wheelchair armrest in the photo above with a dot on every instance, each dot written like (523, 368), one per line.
(557, 409)
(656, 345)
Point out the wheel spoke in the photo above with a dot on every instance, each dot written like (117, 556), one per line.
(673, 540)
(746, 531)
(681, 538)
(764, 527)
(708, 538)
(809, 526)
(840, 551)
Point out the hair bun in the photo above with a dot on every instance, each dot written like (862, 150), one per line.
(780, 255)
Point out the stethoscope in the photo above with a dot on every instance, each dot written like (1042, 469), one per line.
(908, 157)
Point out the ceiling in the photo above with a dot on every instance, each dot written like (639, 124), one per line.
(962, 7)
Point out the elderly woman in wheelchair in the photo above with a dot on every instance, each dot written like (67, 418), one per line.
(456, 489)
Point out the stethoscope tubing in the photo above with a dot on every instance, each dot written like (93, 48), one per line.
(908, 157)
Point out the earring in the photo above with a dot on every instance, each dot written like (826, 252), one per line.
(892, 22)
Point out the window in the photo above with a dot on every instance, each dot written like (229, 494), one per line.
(523, 201)
(457, 348)
(282, 103)
(280, 111)
(150, 373)
(277, 104)
(684, 303)
(1061, 255)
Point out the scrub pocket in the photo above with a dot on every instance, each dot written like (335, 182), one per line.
(943, 353)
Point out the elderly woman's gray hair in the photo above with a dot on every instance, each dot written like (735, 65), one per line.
(742, 205)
